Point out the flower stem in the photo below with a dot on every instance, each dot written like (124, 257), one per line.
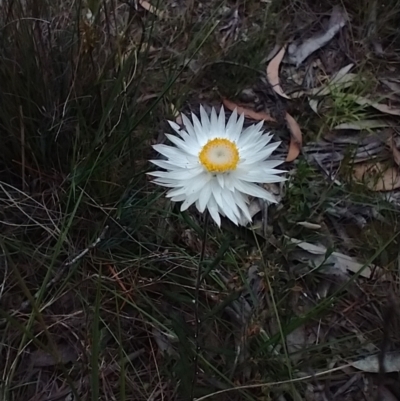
(199, 279)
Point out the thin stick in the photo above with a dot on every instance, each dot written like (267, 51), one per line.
(199, 279)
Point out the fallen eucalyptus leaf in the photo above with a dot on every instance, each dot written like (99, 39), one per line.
(310, 226)
(376, 176)
(296, 138)
(363, 124)
(247, 112)
(314, 105)
(392, 85)
(339, 263)
(297, 54)
(273, 73)
(383, 108)
(370, 364)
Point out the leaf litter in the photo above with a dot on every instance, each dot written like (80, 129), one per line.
(329, 153)
(334, 263)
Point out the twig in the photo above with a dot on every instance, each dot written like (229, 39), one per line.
(64, 266)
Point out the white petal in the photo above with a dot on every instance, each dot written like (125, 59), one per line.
(229, 181)
(254, 190)
(189, 127)
(189, 140)
(261, 155)
(202, 136)
(213, 209)
(171, 152)
(175, 127)
(177, 192)
(216, 192)
(234, 127)
(178, 198)
(181, 174)
(238, 129)
(198, 184)
(270, 164)
(230, 126)
(214, 118)
(250, 135)
(189, 201)
(221, 122)
(255, 146)
(192, 150)
(205, 120)
(240, 200)
(228, 211)
(173, 165)
(260, 176)
(227, 196)
(204, 198)
(220, 179)
(165, 183)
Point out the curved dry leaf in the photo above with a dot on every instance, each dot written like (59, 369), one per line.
(393, 86)
(296, 138)
(363, 124)
(371, 364)
(297, 54)
(150, 8)
(383, 108)
(314, 105)
(273, 73)
(254, 115)
(377, 177)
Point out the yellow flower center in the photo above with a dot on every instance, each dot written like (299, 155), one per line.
(219, 155)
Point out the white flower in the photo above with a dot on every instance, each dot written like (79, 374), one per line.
(217, 166)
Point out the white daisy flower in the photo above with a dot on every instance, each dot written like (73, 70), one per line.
(217, 166)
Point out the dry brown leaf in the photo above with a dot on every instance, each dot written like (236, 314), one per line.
(377, 177)
(254, 115)
(273, 73)
(383, 108)
(151, 9)
(296, 138)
